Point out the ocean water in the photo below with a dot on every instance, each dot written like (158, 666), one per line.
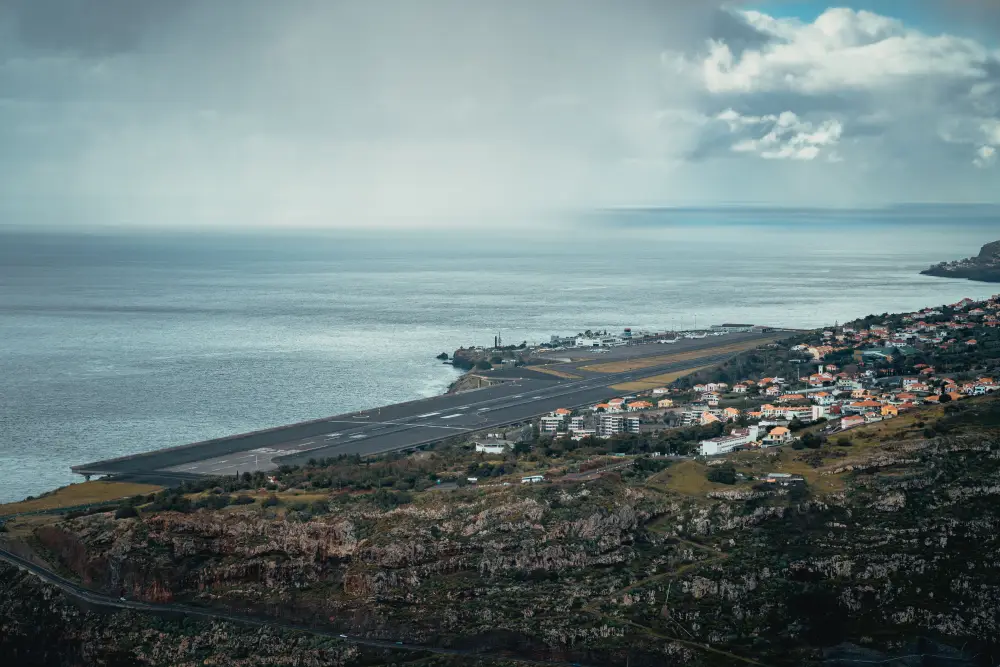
(113, 343)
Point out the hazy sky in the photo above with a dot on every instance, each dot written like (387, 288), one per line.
(344, 112)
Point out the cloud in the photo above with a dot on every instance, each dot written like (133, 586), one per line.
(789, 137)
(345, 112)
(842, 49)
(853, 85)
(986, 156)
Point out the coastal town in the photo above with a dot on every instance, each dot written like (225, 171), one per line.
(819, 385)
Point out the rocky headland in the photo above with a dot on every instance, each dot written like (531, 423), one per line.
(985, 267)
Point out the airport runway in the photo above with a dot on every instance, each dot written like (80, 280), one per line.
(394, 427)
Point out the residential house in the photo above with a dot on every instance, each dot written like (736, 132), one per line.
(665, 403)
(860, 407)
(617, 404)
(851, 421)
(821, 379)
(779, 435)
(823, 398)
(708, 418)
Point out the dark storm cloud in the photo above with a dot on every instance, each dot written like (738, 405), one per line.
(730, 28)
(87, 27)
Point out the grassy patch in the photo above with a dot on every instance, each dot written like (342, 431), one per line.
(80, 494)
(687, 478)
(692, 355)
(554, 371)
(654, 381)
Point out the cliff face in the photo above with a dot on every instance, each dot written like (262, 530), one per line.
(906, 557)
(41, 627)
(985, 267)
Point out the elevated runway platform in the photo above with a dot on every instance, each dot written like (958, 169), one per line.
(414, 424)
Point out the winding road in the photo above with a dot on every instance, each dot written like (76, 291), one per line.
(78, 592)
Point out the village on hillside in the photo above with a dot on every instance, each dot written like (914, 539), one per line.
(809, 387)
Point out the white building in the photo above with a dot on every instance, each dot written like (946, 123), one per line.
(609, 425)
(550, 424)
(727, 443)
(733, 328)
(577, 424)
(492, 447)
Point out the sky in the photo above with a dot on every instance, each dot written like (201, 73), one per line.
(340, 113)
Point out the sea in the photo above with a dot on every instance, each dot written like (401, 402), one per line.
(117, 341)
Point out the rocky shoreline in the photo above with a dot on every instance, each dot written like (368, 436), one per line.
(985, 267)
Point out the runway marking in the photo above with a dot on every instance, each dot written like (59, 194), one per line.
(429, 414)
(332, 436)
(358, 435)
(457, 414)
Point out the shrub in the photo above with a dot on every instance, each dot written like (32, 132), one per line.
(844, 441)
(270, 501)
(798, 492)
(126, 512)
(243, 499)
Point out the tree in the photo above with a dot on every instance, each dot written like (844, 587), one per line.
(811, 440)
(483, 365)
(722, 475)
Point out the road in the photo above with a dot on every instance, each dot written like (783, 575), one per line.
(78, 592)
(394, 427)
